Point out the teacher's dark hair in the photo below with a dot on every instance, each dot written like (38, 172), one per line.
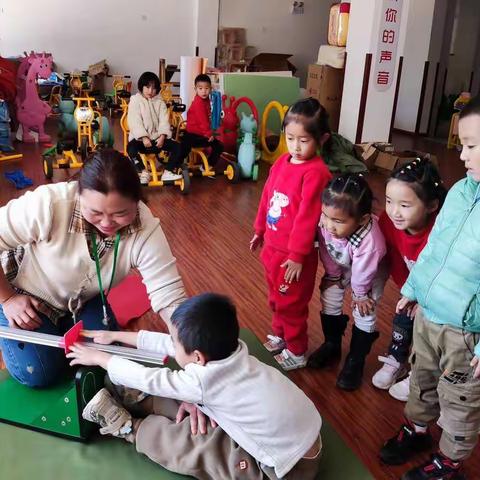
(106, 171)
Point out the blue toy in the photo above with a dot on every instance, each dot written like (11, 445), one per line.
(247, 152)
(18, 178)
(5, 140)
(216, 108)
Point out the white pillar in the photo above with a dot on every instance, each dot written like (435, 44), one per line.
(370, 33)
(207, 28)
(415, 51)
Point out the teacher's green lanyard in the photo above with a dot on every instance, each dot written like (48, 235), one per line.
(93, 238)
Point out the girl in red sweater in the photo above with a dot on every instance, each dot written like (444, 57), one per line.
(414, 195)
(286, 225)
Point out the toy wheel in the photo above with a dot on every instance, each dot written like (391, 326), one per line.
(255, 172)
(84, 148)
(48, 167)
(233, 172)
(185, 185)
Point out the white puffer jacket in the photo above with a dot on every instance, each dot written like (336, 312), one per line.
(147, 118)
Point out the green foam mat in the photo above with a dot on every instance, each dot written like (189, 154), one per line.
(26, 454)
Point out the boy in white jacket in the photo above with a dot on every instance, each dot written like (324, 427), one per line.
(268, 426)
(150, 130)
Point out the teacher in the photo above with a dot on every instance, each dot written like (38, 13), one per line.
(63, 246)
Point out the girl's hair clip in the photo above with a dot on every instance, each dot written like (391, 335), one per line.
(436, 184)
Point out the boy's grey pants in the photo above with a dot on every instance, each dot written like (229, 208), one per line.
(213, 456)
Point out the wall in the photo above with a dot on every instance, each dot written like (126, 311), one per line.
(461, 63)
(272, 28)
(441, 28)
(132, 36)
(415, 52)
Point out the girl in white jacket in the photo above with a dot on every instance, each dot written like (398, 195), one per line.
(150, 130)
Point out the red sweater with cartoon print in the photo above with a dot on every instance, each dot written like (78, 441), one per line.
(198, 117)
(403, 248)
(291, 205)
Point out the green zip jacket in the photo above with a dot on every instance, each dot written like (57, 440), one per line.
(445, 280)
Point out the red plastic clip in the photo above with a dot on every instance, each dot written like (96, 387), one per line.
(72, 336)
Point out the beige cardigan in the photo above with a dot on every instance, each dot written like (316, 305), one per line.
(57, 263)
(147, 118)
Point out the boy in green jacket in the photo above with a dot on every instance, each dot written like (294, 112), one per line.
(445, 286)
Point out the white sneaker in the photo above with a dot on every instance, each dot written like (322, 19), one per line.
(274, 344)
(289, 361)
(388, 374)
(168, 176)
(110, 415)
(144, 176)
(401, 389)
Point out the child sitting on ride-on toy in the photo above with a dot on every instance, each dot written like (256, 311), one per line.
(150, 130)
(199, 129)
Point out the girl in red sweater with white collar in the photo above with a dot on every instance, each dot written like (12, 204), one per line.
(414, 195)
(286, 224)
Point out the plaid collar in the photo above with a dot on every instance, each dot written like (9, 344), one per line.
(79, 225)
(356, 237)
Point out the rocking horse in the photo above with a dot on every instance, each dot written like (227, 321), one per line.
(31, 110)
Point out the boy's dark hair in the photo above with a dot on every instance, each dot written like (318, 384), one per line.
(107, 170)
(313, 116)
(146, 78)
(471, 108)
(423, 178)
(207, 323)
(350, 193)
(203, 77)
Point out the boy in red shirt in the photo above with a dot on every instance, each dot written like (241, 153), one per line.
(199, 129)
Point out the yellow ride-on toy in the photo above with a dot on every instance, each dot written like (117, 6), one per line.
(150, 159)
(197, 162)
(92, 132)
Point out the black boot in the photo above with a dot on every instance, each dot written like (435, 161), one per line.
(331, 350)
(350, 377)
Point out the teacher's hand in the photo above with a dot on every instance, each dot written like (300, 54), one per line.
(21, 312)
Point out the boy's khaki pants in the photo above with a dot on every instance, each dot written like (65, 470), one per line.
(213, 456)
(442, 385)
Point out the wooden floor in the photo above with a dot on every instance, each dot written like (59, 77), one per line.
(209, 231)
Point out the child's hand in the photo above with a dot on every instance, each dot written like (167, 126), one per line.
(405, 305)
(104, 337)
(198, 420)
(255, 242)
(476, 363)
(365, 306)
(328, 282)
(293, 270)
(160, 141)
(211, 138)
(147, 143)
(82, 355)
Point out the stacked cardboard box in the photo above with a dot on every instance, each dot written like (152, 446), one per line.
(232, 47)
(325, 83)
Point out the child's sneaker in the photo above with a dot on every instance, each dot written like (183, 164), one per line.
(111, 416)
(401, 389)
(144, 177)
(289, 361)
(274, 344)
(388, 374)
(439, 468)
(168, 176)
(404, 445)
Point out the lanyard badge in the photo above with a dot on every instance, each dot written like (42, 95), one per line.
(103, 295)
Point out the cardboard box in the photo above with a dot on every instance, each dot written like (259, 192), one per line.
(325, 83)
(229, 35)
(392, 160)
(367, 152)
(271, 62)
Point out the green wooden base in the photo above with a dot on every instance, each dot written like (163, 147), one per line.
(56, 410)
